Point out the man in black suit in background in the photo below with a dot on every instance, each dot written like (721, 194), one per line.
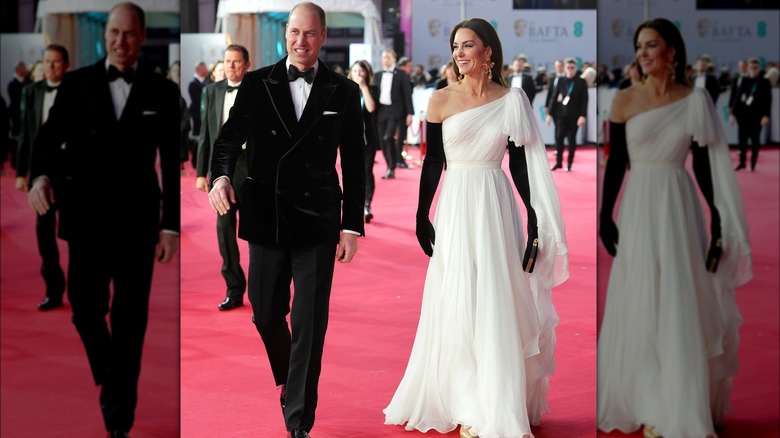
(37, 100)
(520, 78)
(568, 107)
(119, 116)
(395, 111)
(751, 110)
(742, 73)
(15, 87)
(552, 82)
(704, 78)
(296, 117)
(218, 98)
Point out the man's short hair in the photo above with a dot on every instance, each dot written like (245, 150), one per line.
(239, 48)
(58, 48)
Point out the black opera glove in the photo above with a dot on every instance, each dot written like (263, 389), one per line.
(518, 167)
(703, 173)
(433, 165)
(614, 173)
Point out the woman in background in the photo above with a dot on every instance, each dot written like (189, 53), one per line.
(362, 74)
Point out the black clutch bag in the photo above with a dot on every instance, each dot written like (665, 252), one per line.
(529, 267)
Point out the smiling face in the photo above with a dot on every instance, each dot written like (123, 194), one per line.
(305, 36)
(468, 52)
(124, 37)
(652, 53)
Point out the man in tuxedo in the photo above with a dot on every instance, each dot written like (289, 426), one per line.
(552, 82)
(705, 79)
(195, 90)
(115, 217)
(742, 73)
(296, 116)
(37, 100)
(520, 78)
(568, 108)
(395, 111)
(751, 110)
(218, 98)
(15, 87)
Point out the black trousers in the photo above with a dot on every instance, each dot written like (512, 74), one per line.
(565, 128)
(389, 124)
(749, 128)
(296, 359)
(114, 352)
(234, 276)
(51, 271)
(370, 157)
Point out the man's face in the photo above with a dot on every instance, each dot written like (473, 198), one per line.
(235, 65)
(305, 36)
(54, 67)
(754, 70)
(434, 27)
(202, 70)
(124, 37)
(388, 60)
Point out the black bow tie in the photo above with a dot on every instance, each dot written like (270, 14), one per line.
(231, 88)
(114, 74)
(51, 88)
(293, 73)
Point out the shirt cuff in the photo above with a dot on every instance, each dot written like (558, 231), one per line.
(175, 233)
(219, 178)
(350, 232)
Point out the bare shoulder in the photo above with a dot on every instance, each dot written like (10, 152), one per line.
(621, 103)
(436, 105)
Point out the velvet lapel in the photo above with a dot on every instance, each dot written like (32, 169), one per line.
(278, 89)
(321, 93)
(100, 96)
(134, 99)
(38, 95)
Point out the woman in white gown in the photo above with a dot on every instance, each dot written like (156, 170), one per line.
(668, 343)
(483, 351)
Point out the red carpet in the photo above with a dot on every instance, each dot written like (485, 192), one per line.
(227, 388)
(47, 388)
(756, 394)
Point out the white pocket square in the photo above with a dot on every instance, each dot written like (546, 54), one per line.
(329, 113)
(149, 113)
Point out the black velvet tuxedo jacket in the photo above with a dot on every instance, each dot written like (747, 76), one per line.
(106, 177)
(578, 99)
(31, 116)
(292, 194)
(400, 93)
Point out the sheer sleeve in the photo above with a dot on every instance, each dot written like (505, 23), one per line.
(552, 264)
(735, 267)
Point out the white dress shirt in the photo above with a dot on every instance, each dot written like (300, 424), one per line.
(230, 99)
(119, 91)
(48, 101)
(300, 90)
(385, 87)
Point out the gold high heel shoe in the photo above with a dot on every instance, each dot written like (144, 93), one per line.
(464, 432)
(649, 432)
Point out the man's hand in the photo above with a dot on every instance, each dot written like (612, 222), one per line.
(348, 246)
(764, 120)
(732, 120)
(21, 184)
(408, 120)
(548, 119)
(580, 121)
(202, 184)
(41, 196)
(166, 248)
(221, 196)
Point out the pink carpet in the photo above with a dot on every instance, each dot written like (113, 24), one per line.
(47, 388)
(756, 394)
(227, 388)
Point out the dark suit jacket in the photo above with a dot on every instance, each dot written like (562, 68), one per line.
(211, 125)
(106, 176)
(552, 83)
(14, 104)
(195, 90)
(528, 85)
(578, 100)
(762, 99)
(292, 193)
(32, 112)
(712, 86)
(370, 122)
(735, 83)
(400, 93)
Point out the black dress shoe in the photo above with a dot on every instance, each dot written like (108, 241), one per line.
(390, 174)
(568, 169)
(740, 167)
(367, 215)
(556, 167)
(49, 303)
(402, 165)
(231, 303)
(298, 433)
(118, 434)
